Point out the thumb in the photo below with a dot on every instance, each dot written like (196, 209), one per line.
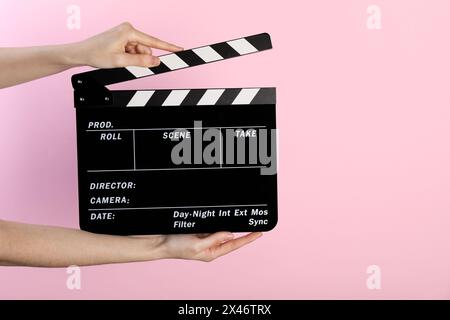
(138, 59)
(215, 239)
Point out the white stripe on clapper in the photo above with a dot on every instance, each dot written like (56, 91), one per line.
(210, 97)
(173, 62)
(140, 98)
(242, 46)
(175, 97)
(207, 54)
(139, 71)
(246, 96)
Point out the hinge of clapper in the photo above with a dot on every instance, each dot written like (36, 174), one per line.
(89, 93)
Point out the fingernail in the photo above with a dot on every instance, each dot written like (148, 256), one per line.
(155, 61)
(229, 236)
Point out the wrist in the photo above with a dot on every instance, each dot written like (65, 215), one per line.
(154, 248)
(72, 55)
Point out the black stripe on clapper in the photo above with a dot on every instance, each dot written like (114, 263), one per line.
(160, 69)
(190, 58)
(260, 41)
(158, 98)
(110, 76)
(228, 96)
(225, 50)
(264, 96)
(193, 97)
(122, 97)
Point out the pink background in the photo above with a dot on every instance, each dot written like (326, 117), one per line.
(364, 119)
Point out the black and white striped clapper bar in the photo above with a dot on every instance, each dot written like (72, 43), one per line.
(176, 160)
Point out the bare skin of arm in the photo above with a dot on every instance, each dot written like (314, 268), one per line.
(46, 246)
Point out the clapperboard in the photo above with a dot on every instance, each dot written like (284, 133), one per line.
(176, 160)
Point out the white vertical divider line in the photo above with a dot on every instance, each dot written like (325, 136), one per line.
(220, 147)
(134, 149)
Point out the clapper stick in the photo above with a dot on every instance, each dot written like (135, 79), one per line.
(174, 61)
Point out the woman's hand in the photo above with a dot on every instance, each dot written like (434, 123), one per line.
(119, 47)
(204, 247)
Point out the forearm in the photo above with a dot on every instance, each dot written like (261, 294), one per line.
(18, 65)
(43, 246)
